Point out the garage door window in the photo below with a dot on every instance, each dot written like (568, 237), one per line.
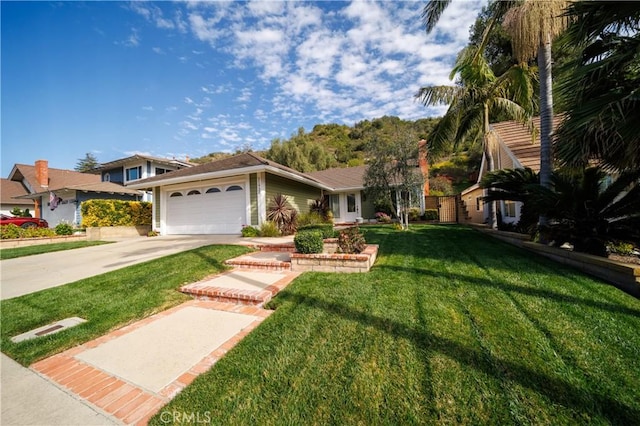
(234, 188)
(193, 192)
(176, 194)
(213, 190)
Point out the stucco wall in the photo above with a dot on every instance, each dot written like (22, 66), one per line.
(471, 202)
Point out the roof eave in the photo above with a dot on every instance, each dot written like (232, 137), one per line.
(227, 173)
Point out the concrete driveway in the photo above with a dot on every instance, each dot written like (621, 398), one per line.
(29, 274)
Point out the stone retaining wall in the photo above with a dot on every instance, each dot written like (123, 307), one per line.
(109, 232)
(335, 262)
(25, 242)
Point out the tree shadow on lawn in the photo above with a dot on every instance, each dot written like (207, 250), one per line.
(556, 390)
(527, 291)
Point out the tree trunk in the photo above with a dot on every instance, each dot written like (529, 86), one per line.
(546, 118)
(493, 217)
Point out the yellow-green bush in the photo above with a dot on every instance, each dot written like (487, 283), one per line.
(115, 213)
(11, 231)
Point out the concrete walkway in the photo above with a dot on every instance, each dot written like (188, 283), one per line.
(28, 399)
(120, 378)
(29, 274)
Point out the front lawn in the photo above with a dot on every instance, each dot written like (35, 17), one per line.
(450, 327)
(106, 301)
(11, 253)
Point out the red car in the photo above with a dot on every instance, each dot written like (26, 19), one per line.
(24, 222)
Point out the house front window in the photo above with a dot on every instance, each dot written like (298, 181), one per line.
(509, 209)
(351, 203)
(334, 205)
(161, 171)
(134, 173)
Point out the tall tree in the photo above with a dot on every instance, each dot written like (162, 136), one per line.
(392, 175)
(87, 163)
(533, 25)
(602, 87)
(478, 94)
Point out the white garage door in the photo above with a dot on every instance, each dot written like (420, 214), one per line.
(209, 210)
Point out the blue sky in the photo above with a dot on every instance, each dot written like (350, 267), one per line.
(176, 79)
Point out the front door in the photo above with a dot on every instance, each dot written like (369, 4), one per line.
(352, 204)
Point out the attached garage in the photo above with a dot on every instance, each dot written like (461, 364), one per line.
(221, 196)
(212, 209)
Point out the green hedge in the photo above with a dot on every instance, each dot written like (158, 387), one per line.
(115, 213)
(325, 228)
(308, 241)
(431, 214)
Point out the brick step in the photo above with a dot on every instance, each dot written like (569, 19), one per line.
(280, 248)
(263, 265)
(227, 295)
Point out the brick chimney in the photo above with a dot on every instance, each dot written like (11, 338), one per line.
(424, 164)
(42, 173)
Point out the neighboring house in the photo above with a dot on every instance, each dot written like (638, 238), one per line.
(221, 196)
(128, 170)
(513, 146)
(55, 195)
(8, 191)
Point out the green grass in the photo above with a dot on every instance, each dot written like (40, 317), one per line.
(11, 253)
(106, 301)
(449, 327)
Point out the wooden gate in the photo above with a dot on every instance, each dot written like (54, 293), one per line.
(447, 207)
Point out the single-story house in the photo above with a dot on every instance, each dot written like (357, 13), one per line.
(221, 196)
(10, 189)
(55, 195)
(136, 167)
(513, 146)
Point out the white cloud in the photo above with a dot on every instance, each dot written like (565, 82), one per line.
(158, 50)
(292, 63)
(147, 108)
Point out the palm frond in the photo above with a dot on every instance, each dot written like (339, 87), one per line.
(437, 95)
(432, 12)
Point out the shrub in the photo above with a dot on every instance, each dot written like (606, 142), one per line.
(414, 214)
(115, 213)
(431, 214)
(308, 241)
(311, 218)
(383, 217)
(249, 231)
(282, 214)
(320, 206)
(269, 229)
(326, 229)
(351, 240)
(621, 248)
(63, 228)
(398, 226)
(11, 231)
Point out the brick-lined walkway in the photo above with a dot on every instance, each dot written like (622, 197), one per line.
(124, 400)
(211, 289)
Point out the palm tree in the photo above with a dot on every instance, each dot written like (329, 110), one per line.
(479, 94)
(533, 25)
(581, 211)
(602, 87)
